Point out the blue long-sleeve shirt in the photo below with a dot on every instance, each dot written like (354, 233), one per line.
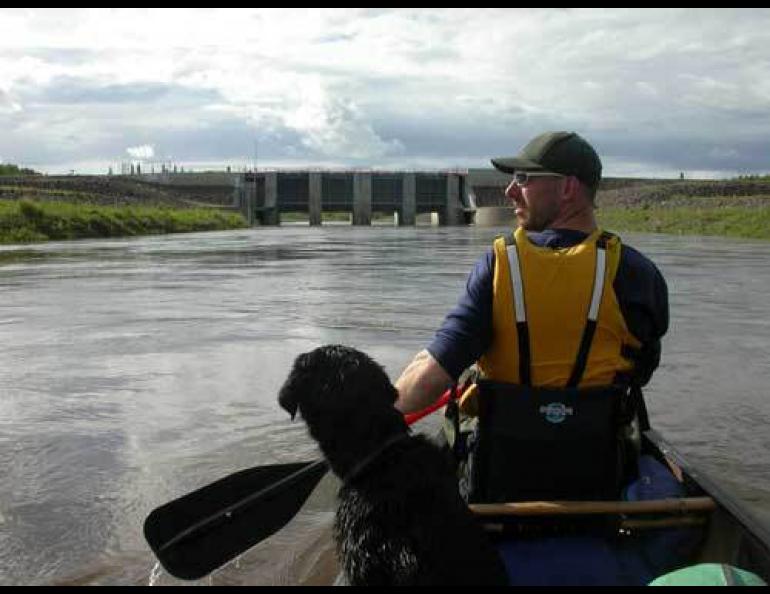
(640, 288)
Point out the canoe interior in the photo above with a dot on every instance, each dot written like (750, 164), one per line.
(576, 543)
(732, 536)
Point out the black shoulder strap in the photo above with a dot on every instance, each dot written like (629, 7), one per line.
(593, 313)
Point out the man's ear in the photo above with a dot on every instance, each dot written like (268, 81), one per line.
(571, 189)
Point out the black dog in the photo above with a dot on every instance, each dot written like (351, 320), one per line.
(400, 519)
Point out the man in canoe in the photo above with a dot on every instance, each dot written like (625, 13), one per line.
(564, 324)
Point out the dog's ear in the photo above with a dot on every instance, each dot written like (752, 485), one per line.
(288, 401)
(288, 404)
(295, 386)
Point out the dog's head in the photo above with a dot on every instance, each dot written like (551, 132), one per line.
(341, 394)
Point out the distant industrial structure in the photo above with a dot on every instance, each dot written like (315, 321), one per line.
(144, 167)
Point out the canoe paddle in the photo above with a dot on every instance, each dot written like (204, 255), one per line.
(199, 532)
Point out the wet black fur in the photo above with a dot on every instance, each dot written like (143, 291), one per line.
(400, 520)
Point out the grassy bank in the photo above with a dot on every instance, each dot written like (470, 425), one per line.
(728, 221)
(27, 221)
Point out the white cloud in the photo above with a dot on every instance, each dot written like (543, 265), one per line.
(385, 85)
(7, 104)
(145, 151)
(334, 126)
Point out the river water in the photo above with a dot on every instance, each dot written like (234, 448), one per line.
(134, 371)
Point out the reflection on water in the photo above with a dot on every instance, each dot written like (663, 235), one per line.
(134, 371)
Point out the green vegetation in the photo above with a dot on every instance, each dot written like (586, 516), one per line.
(40, 207)
(9, 169)
(728, 221)
(26, 221)
(731, 208)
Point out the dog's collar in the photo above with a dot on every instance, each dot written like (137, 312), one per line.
(361, 466)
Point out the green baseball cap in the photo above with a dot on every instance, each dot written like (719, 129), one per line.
(566, 153)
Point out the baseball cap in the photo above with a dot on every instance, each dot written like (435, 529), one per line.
(566, 153)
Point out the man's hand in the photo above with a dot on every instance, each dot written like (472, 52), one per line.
(421, 383)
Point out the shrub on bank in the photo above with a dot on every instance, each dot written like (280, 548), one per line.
(9, 169)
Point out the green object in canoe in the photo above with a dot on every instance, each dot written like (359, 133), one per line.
(709, 574)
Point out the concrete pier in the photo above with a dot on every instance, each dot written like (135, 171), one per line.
(453, 212)
(362, 198)
(314, 197)
(271, 214)
(409, 201)
(238, 193)
(496, 216)
(247, 199)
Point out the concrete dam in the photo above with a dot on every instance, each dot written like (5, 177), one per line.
(455, 197)
(263, 197)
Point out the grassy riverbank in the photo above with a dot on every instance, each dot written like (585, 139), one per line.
(727, 221)
(734, 208)
(24, 221)
(39, 208)
(727, 212)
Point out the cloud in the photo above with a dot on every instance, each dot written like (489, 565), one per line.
(145, 151)
(7, 104)
(334, 126)
(397, 86)
(722, 152)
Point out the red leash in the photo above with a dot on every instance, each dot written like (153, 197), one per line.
(451, 393)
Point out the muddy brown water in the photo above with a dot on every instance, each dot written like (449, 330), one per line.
(137, 370)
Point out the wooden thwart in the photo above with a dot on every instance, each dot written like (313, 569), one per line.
(673, 522)
(572, 508)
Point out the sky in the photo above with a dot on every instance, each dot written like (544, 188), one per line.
(658, 92)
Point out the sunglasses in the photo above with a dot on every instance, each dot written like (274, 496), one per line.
(522, 178)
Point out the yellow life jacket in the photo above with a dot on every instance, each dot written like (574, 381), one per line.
(561, 297)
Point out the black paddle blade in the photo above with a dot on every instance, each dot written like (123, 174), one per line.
(195, 534)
